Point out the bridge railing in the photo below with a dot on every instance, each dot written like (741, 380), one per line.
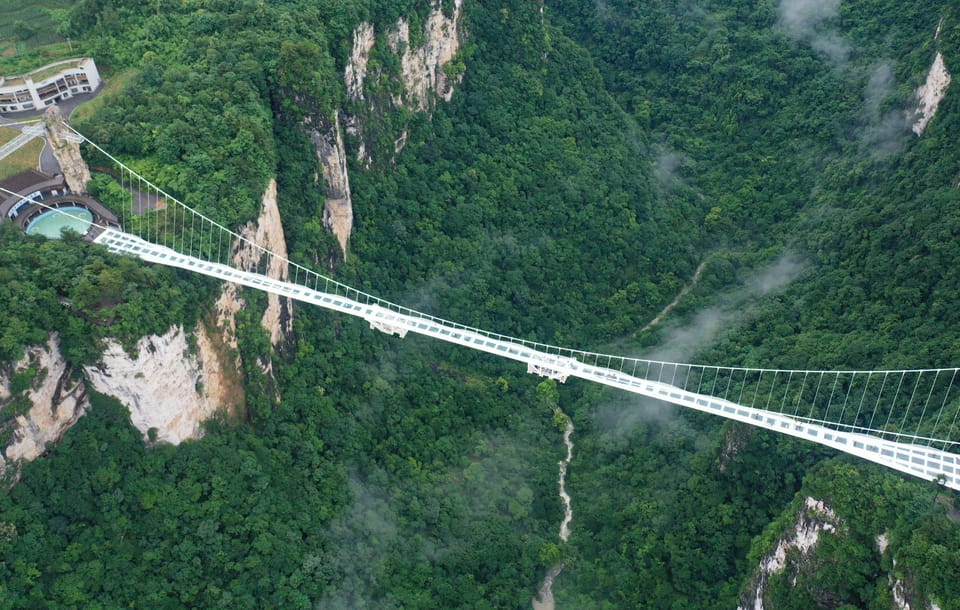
(915, 406)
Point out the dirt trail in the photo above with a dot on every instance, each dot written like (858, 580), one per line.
(686, 289)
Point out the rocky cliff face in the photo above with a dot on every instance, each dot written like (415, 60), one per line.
(338, 207)
(903, 593)
(426, 75)
(814, 518)
(50, 404)
(427, 72)
(356, 69)
(929, 94)
(266, 233)
(66, 149)
(161, 385)
(735, 439)
(172, 384)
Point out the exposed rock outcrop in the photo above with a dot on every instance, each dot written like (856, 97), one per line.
(249, 254)
(427, 72)
(56, 401)
(735, 439)
(930, 94)
(220, 372)
(356, 69)
(174, 382)
(900, 590)
(813, 518)
(423, 67)
(425, 76)
(169, 386)
(162, 385)
(338, 207)
(66, 149)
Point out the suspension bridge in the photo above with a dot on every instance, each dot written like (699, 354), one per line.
(902, 419)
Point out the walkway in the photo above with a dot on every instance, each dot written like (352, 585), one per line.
(15, 144)
(48, 162)
(906, 420)
(907, 455)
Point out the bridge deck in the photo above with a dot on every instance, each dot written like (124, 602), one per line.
(919, 460)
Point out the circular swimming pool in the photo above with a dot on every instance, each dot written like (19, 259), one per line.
(50, 224)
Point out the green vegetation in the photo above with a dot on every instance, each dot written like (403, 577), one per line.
(33, 34)
(36, 58)
(584, 167)
(791, 151)
(110, 90)
(846, 568)
(82, 293)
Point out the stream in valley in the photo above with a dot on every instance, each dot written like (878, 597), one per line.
(544, 599)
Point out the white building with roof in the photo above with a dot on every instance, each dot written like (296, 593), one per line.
(44, 86)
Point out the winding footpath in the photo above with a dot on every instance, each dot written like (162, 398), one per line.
(683, 292)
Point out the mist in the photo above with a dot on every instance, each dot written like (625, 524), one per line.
(809, 20)
(620, 416)
(884, 133)
(681, 344)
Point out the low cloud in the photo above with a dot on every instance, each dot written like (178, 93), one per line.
(361, 538)
(884, 132)
(802, 17)
(620, 416)
(682, 343)
(810, 20)
(668, 166)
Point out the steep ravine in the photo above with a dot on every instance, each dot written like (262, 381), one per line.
(424, 78)
(544, 599)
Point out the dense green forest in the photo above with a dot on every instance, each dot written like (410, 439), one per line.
(592, 156)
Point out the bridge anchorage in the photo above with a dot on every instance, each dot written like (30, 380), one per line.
(902, 419)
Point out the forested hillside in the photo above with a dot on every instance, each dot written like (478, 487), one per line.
(593, 155)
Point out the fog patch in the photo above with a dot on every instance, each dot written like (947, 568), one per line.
(361, 537)
(604, 13)
(623, 418)
(620, 417)
(810, 21)
(667, 168)
(681, 344)
(498, 481)
(884, 132)
(628, 419)
(802, 17)
(881, 133)
(426, 295)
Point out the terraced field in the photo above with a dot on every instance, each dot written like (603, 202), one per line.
(28, 34)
